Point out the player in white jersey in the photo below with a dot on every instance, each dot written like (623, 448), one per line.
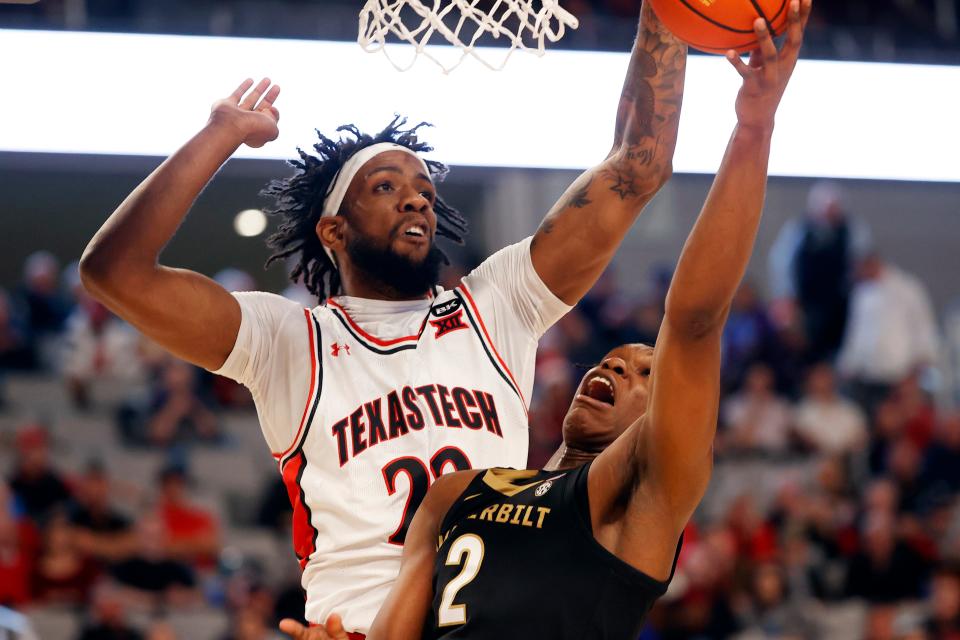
(389, 382)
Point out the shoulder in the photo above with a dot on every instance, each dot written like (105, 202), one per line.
(268, 302)
(449, 487)
(444, 493)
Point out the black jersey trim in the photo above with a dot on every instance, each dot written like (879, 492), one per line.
(297, 444)
(486, 348)
(363, 341)
(298, 452)
(581, 500)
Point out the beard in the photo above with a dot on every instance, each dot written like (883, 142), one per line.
(407, 277)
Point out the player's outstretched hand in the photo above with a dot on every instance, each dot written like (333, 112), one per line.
(250, 113)
(332, 630)
(766, 77)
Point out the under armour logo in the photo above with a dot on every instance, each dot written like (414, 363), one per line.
(448, 324)
(335, 349)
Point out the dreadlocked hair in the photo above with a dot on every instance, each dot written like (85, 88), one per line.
(299, 202)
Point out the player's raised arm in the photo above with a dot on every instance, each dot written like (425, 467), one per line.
(404, 612)
(662, 466)
(580, 234)
(187, 313)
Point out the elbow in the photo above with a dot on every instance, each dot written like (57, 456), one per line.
(646, 173)
(101, 271)
(695, 323)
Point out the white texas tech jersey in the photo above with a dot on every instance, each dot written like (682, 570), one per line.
(387, 412)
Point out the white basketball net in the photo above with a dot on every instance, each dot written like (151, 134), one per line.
(523, 24)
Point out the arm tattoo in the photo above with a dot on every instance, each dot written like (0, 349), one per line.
(579, 198)
(649, 109)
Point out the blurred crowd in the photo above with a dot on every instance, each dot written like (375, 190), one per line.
(907, 30)
(834, 504)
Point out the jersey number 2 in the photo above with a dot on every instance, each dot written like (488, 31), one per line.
(468, 548)
(419, 478)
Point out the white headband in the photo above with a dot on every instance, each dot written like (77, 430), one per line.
(341, 182)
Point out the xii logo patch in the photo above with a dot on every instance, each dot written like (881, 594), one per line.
(449, 323)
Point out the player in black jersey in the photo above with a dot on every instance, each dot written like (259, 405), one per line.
(581, 551)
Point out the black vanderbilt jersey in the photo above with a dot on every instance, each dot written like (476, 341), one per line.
(517, 559)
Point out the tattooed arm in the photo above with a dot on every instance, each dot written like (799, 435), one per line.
(579, 236)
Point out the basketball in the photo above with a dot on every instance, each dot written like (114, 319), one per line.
(716, 26)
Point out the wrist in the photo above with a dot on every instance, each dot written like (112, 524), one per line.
(758, 129)
(223, 130)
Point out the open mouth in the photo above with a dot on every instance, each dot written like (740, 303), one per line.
(600, 389)
(416, 231)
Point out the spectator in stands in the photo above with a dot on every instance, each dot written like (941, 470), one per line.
(919, 414)
(18, 547)
(888, 427)
(36, 483)
(825, 421)
(748, 336)
(152, 577)
(109, 616)
(15, 349)
(756, 418)
(943, 617)
(99, 530)
(275, 511)
(941, 468)
(904, 467)
(886, 570)
(63, 574)
(178, 411)
(811, 265)
(192, 534)
(892, 330)
(98, 346)
(772, 613)
(46, 306)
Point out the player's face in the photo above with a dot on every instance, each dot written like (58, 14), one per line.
(390, 204)
(611, 397)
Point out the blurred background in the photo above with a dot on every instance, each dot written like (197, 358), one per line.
(138, 499)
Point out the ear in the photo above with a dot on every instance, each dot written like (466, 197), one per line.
(330, 231)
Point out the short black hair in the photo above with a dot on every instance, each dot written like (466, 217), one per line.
(299, 201)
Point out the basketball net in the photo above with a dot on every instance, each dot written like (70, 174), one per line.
(523, 24)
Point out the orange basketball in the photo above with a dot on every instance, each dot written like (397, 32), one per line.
(716, 26)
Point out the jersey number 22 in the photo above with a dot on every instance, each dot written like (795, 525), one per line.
(419, 476)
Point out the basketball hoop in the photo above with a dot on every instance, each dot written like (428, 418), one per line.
(523, 24)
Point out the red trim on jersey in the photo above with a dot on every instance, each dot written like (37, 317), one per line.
(304, 535)
(483, 327)
(314, 358)
(375, 340)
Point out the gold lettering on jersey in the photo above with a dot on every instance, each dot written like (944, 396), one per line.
(541, 513)
(524, 515)
(487, 514)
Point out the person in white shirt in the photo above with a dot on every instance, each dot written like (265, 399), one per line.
(825, 420)
(891, 331)
(389, 382)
